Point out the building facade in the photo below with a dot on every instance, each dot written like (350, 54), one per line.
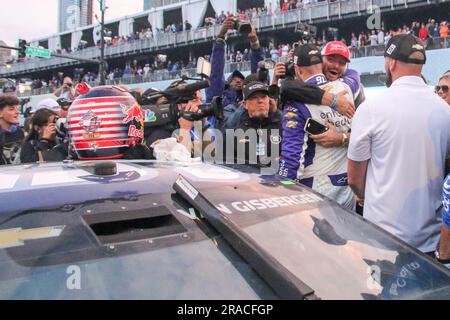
(73, 14)
(5, 54)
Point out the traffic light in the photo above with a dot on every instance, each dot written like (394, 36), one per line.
(22, 48)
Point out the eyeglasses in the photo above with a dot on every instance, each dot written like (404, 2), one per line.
(444, 89)
(68, 84)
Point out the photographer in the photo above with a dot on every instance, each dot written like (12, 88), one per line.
(11, 136)
(231, 91)
(66, 90)
(257, 117)
(41, 139)
(185, 127)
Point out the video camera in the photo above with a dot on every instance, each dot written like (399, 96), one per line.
(166, 112)
(306, 31)
(243, 27)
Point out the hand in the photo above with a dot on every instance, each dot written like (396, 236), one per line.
(49, 131)
(279, 71)
(291, 55)
(360, 201)
(191, 106)
(344, 106)
(273, 105)
(227, 25)
(330, 138)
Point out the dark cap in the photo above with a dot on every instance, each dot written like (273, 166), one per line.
(402, 46)
(237, 73)
(253, 87)
(307, 55)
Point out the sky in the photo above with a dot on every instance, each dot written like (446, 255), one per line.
(31, 19)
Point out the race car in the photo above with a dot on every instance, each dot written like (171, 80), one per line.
(139, 229)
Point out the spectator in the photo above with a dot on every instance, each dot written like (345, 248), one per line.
(41, 139)
(284, 8)
(362, 39)
(66, 90)
(11, 136)
(443, 31)
(423, 32)
(146, 69)
(442, 89)
(436, 30)
(399, 178)
(353, 41)
(373, 39)
(187, 25)
(380, 36)
(415, 28)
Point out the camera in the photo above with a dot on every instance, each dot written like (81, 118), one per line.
(64, 103)
(24, 101)
(243, 27)
(180, 92)
(306, 31)
(290, 70)
(168, 114)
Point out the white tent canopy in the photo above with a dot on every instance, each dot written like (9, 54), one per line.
(194, 12)
(126, 27)
(76, 38)
(225, 6)
(54, 43)
(96, 33)
(155, 18)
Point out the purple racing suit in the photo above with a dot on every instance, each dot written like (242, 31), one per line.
(322, 169)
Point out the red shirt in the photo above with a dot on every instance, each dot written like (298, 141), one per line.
(423, 33)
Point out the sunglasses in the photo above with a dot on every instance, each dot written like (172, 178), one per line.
(68, 84)
(444, 89)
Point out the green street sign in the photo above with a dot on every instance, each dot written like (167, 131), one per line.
(38, 52)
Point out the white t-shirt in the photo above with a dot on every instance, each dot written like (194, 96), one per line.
(405, 135)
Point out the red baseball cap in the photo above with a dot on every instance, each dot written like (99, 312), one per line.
(336, 47)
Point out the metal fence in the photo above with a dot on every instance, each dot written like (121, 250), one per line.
(378, 50)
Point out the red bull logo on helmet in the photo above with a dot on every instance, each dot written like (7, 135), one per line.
(133, 113)
(135, 132)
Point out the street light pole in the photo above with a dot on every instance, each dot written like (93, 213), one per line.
(102, 43)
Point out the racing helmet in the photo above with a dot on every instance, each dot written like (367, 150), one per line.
(104, 123)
